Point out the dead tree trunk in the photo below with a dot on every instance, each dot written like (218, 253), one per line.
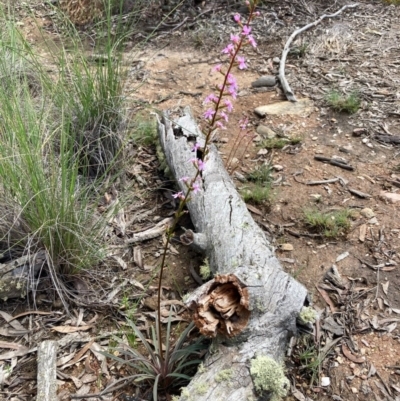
(251, 305)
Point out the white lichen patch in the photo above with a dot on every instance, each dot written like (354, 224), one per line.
(269, 376)
(201, 388)
(205, 271)
(224, 375)
(308, 315)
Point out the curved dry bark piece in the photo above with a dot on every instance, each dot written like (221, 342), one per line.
(223, 309)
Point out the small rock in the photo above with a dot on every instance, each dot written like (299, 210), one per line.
(367, 212)
(276, 60)
(224, 140)
(354, 390)
(302, 107)
(365, 140)
(262, 152)
(286, 247)
(257, 138)
(240, 177)
(325, 381)
(374, 220)
(265, 132)
(342, 256)
(265, 80)
(390, 197)
(277, 167)
(359, 131)
(369, 144)
(234, 161)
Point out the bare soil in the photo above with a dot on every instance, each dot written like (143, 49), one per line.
(359, 51)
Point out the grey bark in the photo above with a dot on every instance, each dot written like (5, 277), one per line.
(16, 275)
(46, 375)
(234, 244)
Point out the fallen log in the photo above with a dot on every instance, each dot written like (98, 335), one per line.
(251, 305)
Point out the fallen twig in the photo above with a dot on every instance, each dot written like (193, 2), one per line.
(154, 232)
(321, 182)
(334, 162)
(284, 83)
(359, 193)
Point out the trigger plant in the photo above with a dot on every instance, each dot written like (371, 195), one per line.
(164, 370)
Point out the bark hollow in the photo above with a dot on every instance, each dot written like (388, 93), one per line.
(251, 305)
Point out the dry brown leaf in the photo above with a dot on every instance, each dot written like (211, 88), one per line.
(388, 268)
(20, 351)
(70, 329)
(347, 353)
(385, 287)
(7, 345)
(137, 257)
(363, 232)
(327, 299)
(10, 319)
(254, 210)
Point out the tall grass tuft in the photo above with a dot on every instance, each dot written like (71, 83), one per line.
(60, 146)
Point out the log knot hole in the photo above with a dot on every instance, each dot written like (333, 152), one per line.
(223, 309)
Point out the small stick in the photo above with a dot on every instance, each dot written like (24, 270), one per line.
(359, 193)
(284, 83)
(331, 180)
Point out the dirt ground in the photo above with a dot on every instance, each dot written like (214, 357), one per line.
(358, 51)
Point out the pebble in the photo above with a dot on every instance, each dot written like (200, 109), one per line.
(354, 390)
(367, 212)
(265, 80)
(365, 140)
(325, 381)
(265, 131)
(314, 138)
(374, 220)
(276, 60)
(277, 167)
(286, 247)
(262, 152)
(389, 196)
(359, 131)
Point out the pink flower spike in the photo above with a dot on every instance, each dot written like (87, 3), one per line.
(246, 30)
(252, 41)
(229, 49)
(235, 39)
(201, 165)
(236, 17)
(232, 92)
(232, 81)
(229, 105)
(208, 114)
(195, 188)
(242, 62)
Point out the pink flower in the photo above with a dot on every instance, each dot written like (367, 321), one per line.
(184, 179)
(235, 39)
(195, 188)
(232, 92)
(243, 123)
(217, 68)
(246, 30)
(229, 49)
(242, 62)
(231, 80)
(201, 165)
(195, 147)
(224, 116)
(252, 41)
(236, 17)
(211, 98)
(220, 125)
(179, 195)
(229, 105)
(208, 114)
